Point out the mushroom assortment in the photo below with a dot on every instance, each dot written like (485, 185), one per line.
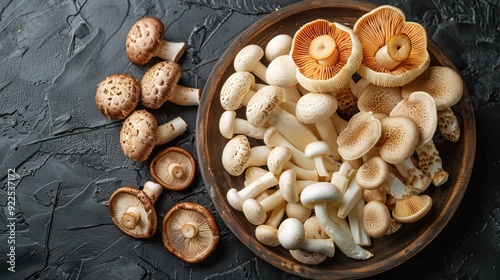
(345, 119)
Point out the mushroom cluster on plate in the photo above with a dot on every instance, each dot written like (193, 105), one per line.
(333, 133)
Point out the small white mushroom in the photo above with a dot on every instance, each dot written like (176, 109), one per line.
(281, 73)
(236, 198)
(237, 155)
(256, 212)
(277, 46)
(291, 235)
(236, 90)
(318, 150)
(279, 160)
(230, 125)
(298, 211)
(268, 233)
(248, 59)
(290, 187)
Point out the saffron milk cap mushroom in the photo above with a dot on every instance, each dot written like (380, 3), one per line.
(174, 168)
(412, 209)
(145, 41)
(190, 232)
(117, 96)
(362, 133)
(326, 54)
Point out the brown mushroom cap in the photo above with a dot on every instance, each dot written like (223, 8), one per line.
(124, 198)
(159, 82)
(117, 96)
(372, 174)
(190, 232)
(144, 39)
(174, 168)
(399, 138)
(412, 209)
(327, 75)
(379, 99)
(374, 30)
(362, 133)
(442, 83)
(376, 219)
(138, 135)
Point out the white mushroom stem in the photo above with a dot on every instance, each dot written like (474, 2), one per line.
(185, 96)
(255, 211)
(395, 187)
(339, 123)
(327, 133)
(230, 125)
(430, 162)
(340, 178)
(268, 233)
(448, 125)
(236, 198)
(355, 217)
(397, 50)
(351, 196)
(247, 97)
(291, 94)
(170, 51)
(131, 217)
(414, 177)
(298, 211)
(341, 223)
(291, 235)
(170, 130)
(301, 172)
(189, 230)
(153, 190)
(273, 138)
(175, 170)
(253, 173)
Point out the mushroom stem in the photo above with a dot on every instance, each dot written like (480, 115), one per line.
(355, 217)
(398, 49)
(273, 138)
(339, 123)
(170, 130)
(448, 125)
(351, 196)
(324, 49)
(236, 198)
(340, 178)
(268, 233)
(175, 170)
(291, 94)
(415, 178)
(230, 125)
(291, 234)
(185, 96)
(153, 190)
(431, 164)
(255, 211)
(171, 51)
(327, 133)
(189, 230)
(131, 218)
(395, 187)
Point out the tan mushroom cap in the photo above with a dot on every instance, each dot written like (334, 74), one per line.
(379, 99)
(313, 107)
(420, 107)
(442, 83)
(159, 82)
(306, 257)
(372, 173)
(234, 89)
(412, 209)
(123, 199)
(144, 39)
(399, 138)
(117, 96)
(362, 133)
(190, 232)
(174, 168)
(376, 219)
(374, 30)
(138, 135)
(262, 104)
(326, 54)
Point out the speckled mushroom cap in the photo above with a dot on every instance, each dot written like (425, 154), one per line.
(313, 107)
(379, 99)
(138, 135)
(374, 29)
(234, 89)
(376, 219)
(312, 73)
(236, 154)
(399, 139)
(144, 39)
(126, 197)
(412, 209)
(174, 168)
(159, 82)
(190, 232)
(442, 83)
(362, 133)
(117, 96)
(420, 107)
(262, 104)
(372, 173)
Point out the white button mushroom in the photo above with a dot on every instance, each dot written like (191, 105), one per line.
(248, 59)
(268, 233)
(230, 125)
(318, 150)
(290, 187)
(277, 46)
(281, 73)
(237, 155)
(237, 90)
(279, 160)
(291, 235)
(255, 211)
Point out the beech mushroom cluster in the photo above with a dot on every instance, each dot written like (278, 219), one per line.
(345, 119)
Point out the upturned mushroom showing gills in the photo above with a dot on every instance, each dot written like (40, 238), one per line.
(394, 50)
(173, 168)
(190, 232)
(326, 54)
(145, 41)
(132, 210)
(117, 96)
(140, 133)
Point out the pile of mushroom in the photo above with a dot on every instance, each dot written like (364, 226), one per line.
(345, 119)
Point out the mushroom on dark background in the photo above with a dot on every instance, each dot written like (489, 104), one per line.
(63, 160)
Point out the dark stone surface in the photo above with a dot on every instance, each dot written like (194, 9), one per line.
(54, 52)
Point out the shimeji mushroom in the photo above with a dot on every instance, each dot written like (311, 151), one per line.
(317, 196)
(362, 133)
(174, 168)
(317, 108)
(394, 51)
(430, 162)
(140, 133)
(236, 198)
(277, 46)
(379, 99)
(237, 155)
(326, 54)
(264, 108)
(318, 151)
(256, 211)
(132, 210)
(291, 235)
(399, 138)
(159, 84)
(248, 60)
(190, 232)
(279, 160)
(376, 219)
(281, 73)
(145, 41)
(268, 233)
(230, 125)
(412, 209)
(117, 96)
(253, 173)
(446, 88)
(237, 90)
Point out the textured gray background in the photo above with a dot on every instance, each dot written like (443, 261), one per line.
(54, 52)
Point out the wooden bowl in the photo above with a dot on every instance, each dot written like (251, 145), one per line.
(389, 251)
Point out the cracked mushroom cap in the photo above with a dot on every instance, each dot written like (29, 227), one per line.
(190, 232)
(132, 211)
(159, 82)
(379, 99)
(117, 96)
(420, 107)
(372, 173)
(326, 54)
(174, 168)
(362, 133)
(138, 135)
(234, 89)
(313, 107)
(399, 139)
(442, 83)
(411, 209)
(262, 104)
(375, 30)
(144, 39)
(236, 155)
